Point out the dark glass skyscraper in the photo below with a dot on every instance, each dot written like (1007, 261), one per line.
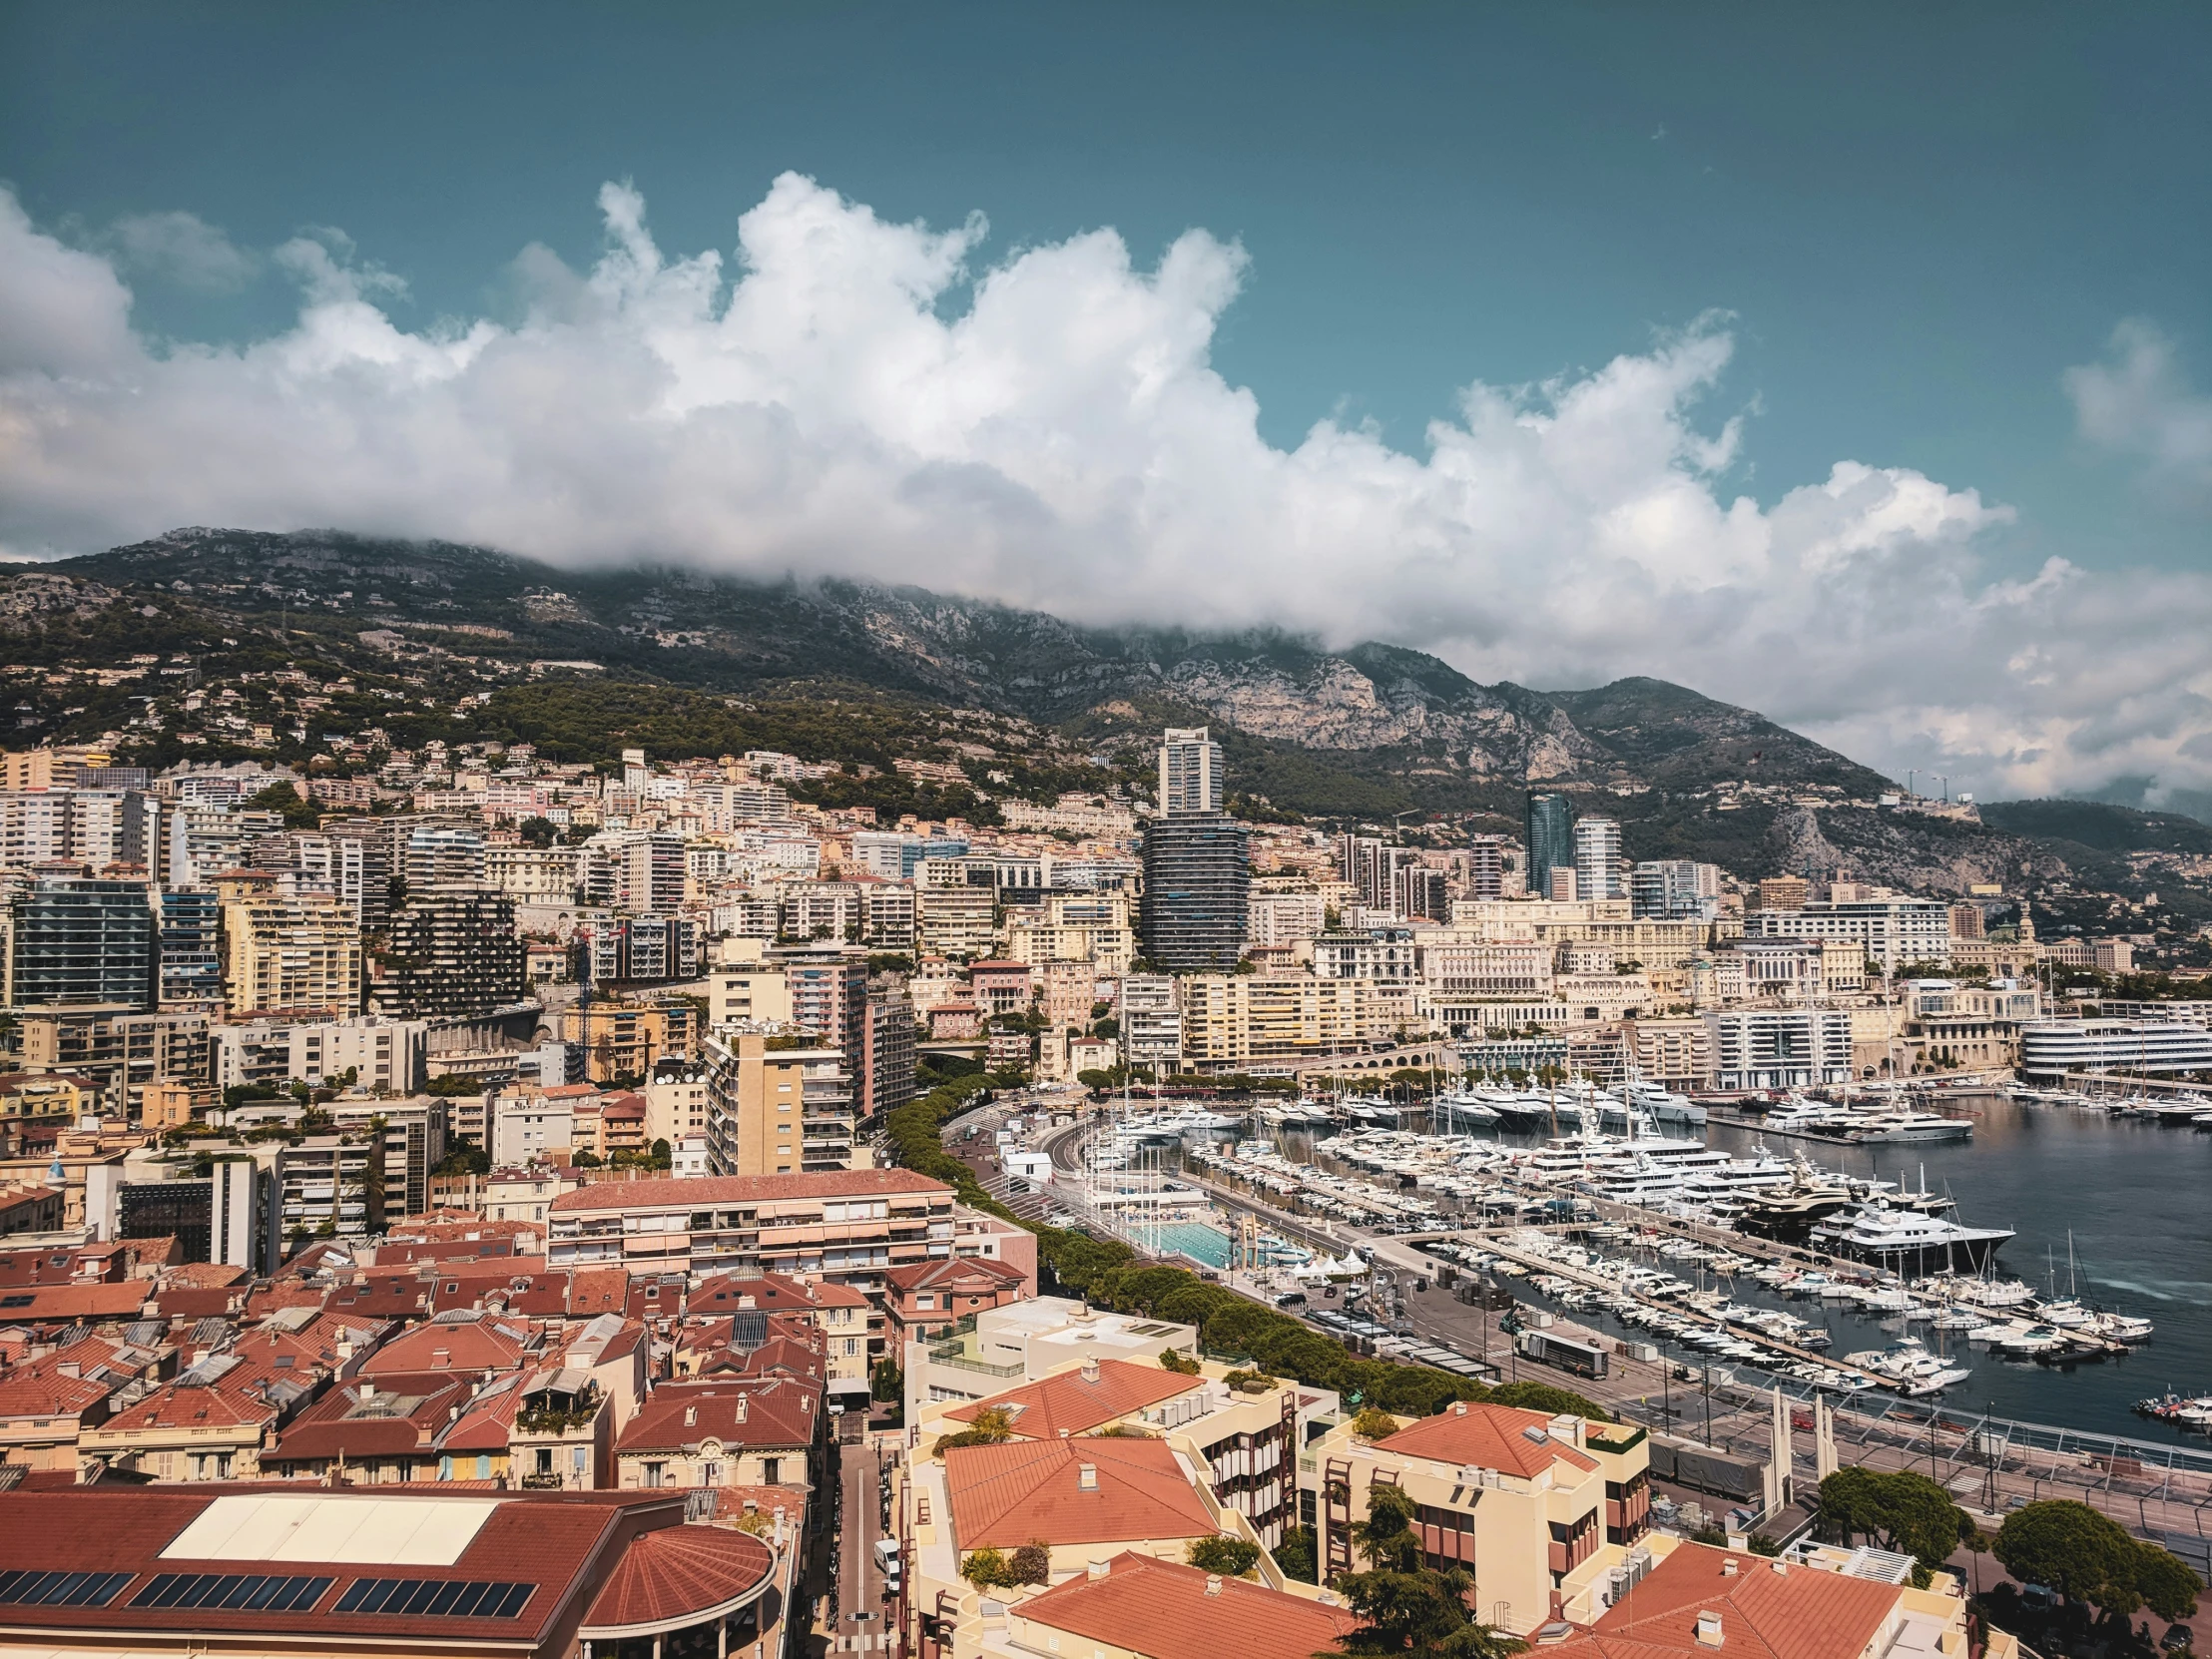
(1195, 879)
(1550, 841)
(82, 941)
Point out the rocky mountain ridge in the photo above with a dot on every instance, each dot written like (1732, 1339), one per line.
(1374, 732)
(691, 628)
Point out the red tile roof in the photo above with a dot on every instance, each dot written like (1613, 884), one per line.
(953, 1271)
(1068, 1403)
(737, 1411)
(680, 1573)
(1502, 1437)
(1163, 1610)
(775, 1292)
(62, 1384)
(68, 1303)
(551, 1543)
(1803, 1614)
(675, 1192)
(402, 1417)
(488, 1344)
(1006, 1496)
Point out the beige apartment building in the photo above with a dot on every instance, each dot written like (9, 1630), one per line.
(1518, 1498)
(294, 953)
(846, 1226)
(775, 1110)
(1231, 1021)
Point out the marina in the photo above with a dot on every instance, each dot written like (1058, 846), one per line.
(1932, 1266)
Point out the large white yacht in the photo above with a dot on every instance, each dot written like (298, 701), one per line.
(1908, 1127)
(1908, 1240)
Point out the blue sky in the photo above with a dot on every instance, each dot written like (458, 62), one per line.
(1910, 223)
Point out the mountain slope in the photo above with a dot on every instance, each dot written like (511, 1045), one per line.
(1371, 733)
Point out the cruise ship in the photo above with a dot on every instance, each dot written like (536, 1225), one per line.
(1908, 1240)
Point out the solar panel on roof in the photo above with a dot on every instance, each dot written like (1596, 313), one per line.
(243, 1592)
(62, 1588)
(747, 1329)
(434, 1598)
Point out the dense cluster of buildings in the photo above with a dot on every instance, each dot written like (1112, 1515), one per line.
(453, 1226)
(250, 1008)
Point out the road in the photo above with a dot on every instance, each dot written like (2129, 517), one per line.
(860, 1580)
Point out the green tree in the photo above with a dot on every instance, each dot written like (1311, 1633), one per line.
(992, 1425)
(1179, 1364)
(1297, 1555)
(1220, 1553)
(1407, 1606)
(986, 1568)
(1544, 1398)
(1374, 1424)
(888, 1385)
(2088, 1556)
(1899, 1510)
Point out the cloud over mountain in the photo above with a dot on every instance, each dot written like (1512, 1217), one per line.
(857, 398)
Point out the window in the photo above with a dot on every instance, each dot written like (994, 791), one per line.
(772, 1471)
(656, 1475)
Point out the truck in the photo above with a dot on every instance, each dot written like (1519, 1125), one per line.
(1549, 1347)
(1706, 1468)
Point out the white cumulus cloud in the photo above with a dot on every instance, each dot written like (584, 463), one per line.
(2139, 402)
(855, 397)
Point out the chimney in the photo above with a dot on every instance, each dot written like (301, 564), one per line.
(1708, 1628)
(690, 1417)
(1099, 1569)
(743, 1401)
(1459, 1407)
(1086, 1477)
(368, 1393)
(1213, 1583)
(1090, 1369)
(1728, 1567)
(1781, 1567)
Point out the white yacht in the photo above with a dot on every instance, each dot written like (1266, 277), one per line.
(1903, 1126)
(1908, 1242)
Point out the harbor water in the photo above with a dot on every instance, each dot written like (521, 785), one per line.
(2136, 1197)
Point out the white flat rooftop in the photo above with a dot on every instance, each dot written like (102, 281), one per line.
(377, 1531)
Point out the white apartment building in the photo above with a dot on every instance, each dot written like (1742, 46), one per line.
(1190, 772)
(530, 1124)
(1284, 918)
(1598, 871)
(1151, 1022)
(381, 1053)
(1890, 931)
(1386, 955)
(1780, 1048)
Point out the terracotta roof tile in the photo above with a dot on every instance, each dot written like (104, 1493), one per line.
(1068, 1403)
(1502, 1437)
(1162, 1610)
(674, 1191)
(1803, 1614)
(681, 1572)
(1006, 1496)
(778, 1412)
